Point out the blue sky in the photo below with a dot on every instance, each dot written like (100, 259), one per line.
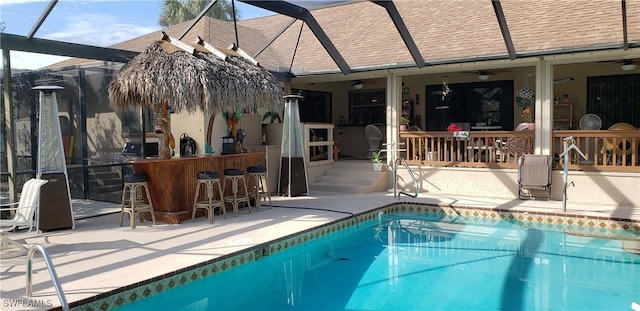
(92, 22)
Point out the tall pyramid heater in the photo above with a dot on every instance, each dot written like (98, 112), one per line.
(55, 210)
(293, 170)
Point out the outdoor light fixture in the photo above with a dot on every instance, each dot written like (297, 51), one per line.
(483, 77)
(228, 145)
(358, 86)
(628, 66)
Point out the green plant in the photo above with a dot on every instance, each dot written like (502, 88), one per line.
(228, 115)
(404, 121)
(527, 115)
(377, 156)
(274, 115)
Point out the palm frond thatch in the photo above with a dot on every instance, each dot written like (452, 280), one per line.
(192, 82)
(155, 75)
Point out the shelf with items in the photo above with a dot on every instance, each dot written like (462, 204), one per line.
(563, 116)
(367, 115)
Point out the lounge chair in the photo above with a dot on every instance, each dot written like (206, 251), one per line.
(534, 176)
(24, 213)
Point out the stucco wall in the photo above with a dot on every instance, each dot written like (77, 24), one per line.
(191, 124)
(589, 187)
(600, 187)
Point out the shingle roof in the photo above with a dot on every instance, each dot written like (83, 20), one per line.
(443, 31)
(217, 32)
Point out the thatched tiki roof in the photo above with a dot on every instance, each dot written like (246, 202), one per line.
(191, 81)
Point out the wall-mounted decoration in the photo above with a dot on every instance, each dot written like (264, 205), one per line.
(526, 91)
(406, 91)
(522, 102)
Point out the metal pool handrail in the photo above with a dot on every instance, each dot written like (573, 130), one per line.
(413, 177)
(394, 156)
(52, 272)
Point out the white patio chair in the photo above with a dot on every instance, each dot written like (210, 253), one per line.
(24, 212)
(374, 137)
(502, 150)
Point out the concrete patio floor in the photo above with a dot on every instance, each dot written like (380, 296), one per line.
(98, 255)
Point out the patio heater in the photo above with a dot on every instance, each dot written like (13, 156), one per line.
(293, 176)
(55, 211)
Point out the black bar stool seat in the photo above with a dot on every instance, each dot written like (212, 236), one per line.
(235, 177)
(260, 185)
(209, 179)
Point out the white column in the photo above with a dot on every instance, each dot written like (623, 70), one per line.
(544, 107)
(393, 102)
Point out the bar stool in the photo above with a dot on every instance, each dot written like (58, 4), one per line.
(235, 176)
(208, 179)
(135, 185)
(260, 185)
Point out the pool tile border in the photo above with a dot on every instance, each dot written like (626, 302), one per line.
(594, 225)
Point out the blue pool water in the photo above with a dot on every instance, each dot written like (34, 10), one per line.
(423, 262)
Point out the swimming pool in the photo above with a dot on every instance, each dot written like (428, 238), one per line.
(415, 260)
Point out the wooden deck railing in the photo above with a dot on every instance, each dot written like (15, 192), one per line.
(495, 149)
(605, 150)
(501, 149)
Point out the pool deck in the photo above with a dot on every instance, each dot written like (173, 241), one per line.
(99, 256)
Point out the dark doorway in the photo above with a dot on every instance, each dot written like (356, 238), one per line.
(487, 102)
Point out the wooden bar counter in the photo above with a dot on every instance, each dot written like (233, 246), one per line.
(172, 182)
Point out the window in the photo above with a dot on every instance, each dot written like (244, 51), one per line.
(614, 99)
(131, 121)
(487, 102)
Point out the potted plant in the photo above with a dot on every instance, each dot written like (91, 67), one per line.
(404, 123)
(528, 118)
(377, 160)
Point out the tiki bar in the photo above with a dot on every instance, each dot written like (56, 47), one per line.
(172, 79)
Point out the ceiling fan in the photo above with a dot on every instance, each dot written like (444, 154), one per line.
(626, 64)
(629, 64)
(484, 75)
(358, 84)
